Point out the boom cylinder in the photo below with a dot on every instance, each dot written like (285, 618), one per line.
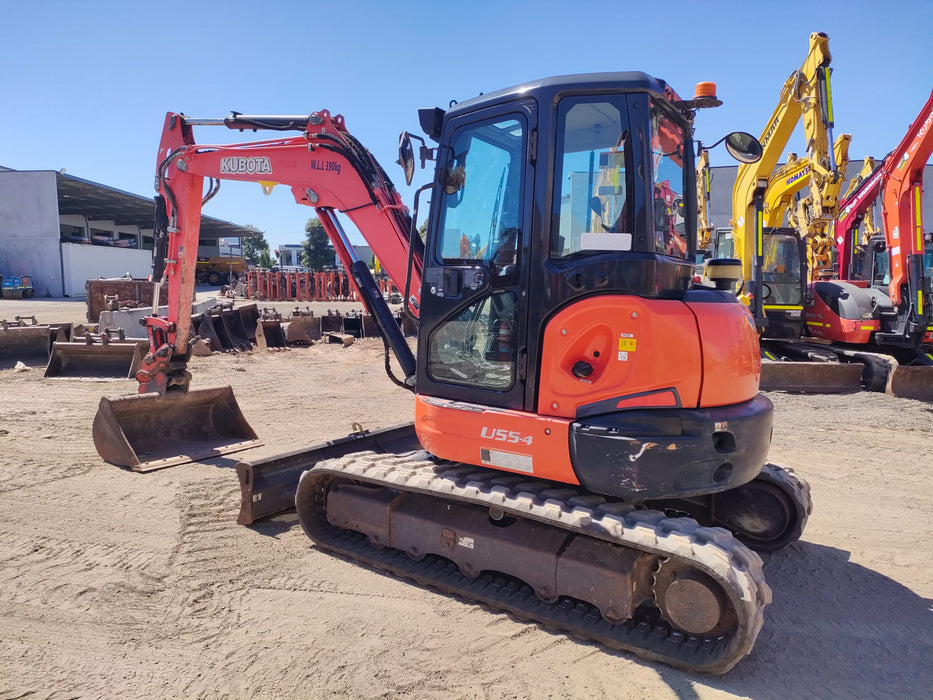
(369, 291)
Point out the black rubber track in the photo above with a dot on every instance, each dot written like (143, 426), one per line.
(714, 551)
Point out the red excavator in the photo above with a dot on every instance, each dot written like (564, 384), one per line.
(882, 298)
(589, 445)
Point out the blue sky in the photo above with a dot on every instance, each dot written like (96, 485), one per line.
(86, 85)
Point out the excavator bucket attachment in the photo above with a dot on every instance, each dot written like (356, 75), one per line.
(149, 431)
(207, 331)
(332, 322)
(249, 317)
(913, 382)
(269, 334)
(302, 330)
(30, 345)
(811, 377)
(79, 359)
(233, 322)
(353, 325)
(267, 486)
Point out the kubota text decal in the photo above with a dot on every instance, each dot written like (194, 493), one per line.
(241, 165)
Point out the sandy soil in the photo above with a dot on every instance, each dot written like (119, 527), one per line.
(117, 584)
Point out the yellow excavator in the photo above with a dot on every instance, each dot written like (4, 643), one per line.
(805, 97)
(778, 236)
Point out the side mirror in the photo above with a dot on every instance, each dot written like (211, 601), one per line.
(406, 156)
(744, 147)
(456, 179)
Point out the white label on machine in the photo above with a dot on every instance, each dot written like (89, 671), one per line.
(605, 241)
(507, 460)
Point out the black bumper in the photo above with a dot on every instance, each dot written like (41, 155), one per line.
(665, 453)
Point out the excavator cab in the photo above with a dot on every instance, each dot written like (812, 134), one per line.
(595, 312)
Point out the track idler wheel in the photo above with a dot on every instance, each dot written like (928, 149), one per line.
(691, 601)
(769, 512)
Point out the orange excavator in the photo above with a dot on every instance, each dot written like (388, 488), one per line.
(882, 298)
(589, 445)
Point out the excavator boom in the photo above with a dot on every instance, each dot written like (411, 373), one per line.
(762, 197)
(780, 236)
(326, 169)
(903, 214)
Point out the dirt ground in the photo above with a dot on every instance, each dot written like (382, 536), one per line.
(117, 584)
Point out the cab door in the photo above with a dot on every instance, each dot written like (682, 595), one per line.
(472, 334)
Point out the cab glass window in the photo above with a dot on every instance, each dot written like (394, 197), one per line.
(781, 270)
(881, 275)
(481, 206)
(477, 346)
(592, 190)
(667, 153)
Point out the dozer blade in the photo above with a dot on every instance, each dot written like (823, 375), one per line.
(267, 486)
(149, 431)
(79, 359)
(811, 377)
(30, 345)
(913, 383)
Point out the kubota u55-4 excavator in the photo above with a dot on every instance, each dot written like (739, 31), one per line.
(588, 428)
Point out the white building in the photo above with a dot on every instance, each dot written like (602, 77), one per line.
(62, 231)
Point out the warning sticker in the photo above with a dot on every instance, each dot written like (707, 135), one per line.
(627, 344)
(623, 357)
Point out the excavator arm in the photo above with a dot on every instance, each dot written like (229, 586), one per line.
(704, 225)
(815, 213)
(902, 214)
(795, 175)
(761, 195)
(889, 300)
(801, 92)
(326, 169)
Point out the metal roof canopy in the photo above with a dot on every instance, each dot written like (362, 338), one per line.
(102, 203)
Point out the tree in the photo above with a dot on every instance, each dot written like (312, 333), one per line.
(265, 259)
(254, 246)
(316, 251)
